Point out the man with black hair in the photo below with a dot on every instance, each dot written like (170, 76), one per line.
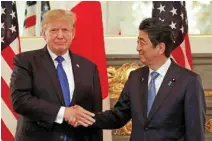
(164, 100)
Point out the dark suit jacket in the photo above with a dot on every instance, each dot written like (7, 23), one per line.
(177, 114)
(37, 96)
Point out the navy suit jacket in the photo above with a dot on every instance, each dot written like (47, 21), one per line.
(177, 114)
(37, 96)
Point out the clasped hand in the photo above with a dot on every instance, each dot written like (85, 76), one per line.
(76, 115)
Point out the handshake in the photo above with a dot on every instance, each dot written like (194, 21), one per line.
(76, 116)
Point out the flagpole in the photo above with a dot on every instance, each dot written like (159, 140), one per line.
(38, 13)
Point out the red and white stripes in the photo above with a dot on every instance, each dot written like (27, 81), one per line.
(182, 54)
(30, 19)
(8, 117)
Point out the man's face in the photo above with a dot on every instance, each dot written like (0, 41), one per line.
(58, 35)
(147, 52)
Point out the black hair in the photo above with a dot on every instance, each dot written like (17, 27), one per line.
(158, 33)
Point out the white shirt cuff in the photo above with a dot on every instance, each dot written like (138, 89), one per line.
(60, 115)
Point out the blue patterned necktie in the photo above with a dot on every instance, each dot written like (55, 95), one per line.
(152, 90)
(63, 80)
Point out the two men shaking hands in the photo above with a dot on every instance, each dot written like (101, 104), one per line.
(76, 116)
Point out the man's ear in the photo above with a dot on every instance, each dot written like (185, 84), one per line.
(44, 35)
(73, 32)
(162, 48)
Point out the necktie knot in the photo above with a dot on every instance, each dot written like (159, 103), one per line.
(154, 75)
(59, 59)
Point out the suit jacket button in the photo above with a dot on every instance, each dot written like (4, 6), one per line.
(146, 129)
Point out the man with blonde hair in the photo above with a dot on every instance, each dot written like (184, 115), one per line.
(46, 83)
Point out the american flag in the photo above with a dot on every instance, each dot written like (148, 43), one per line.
(173, 13)
(45, 6)
(10, 46)
(30, 19)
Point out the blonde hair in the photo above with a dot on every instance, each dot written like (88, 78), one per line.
(58, 14)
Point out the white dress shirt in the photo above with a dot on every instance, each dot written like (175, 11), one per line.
(162, 72)
(67, 66)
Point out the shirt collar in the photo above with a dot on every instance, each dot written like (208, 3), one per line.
(163, 69)
(54, 56)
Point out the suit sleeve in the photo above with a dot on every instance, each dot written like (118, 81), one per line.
(117, 116)
(23, 101)
(97, 103)
(195, 110)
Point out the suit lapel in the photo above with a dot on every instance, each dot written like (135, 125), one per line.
(164, 89)
(144, 91)
(140, 87)
(76, 73)
(48, 64)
